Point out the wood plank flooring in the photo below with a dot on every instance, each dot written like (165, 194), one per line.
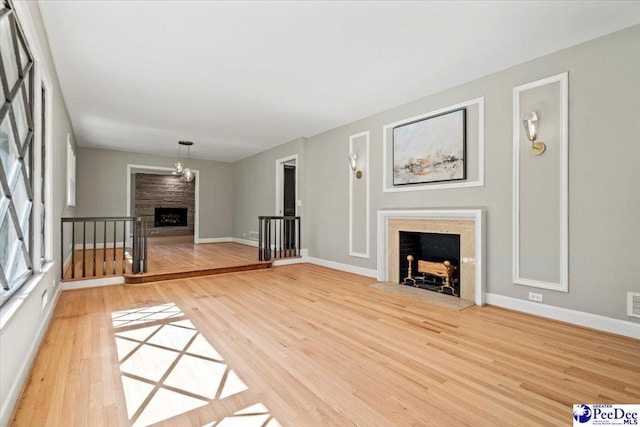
(170, 257)
(303, 345)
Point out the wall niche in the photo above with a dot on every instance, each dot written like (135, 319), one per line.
(164, 191)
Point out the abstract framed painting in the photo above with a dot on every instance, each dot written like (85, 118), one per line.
(431, 149)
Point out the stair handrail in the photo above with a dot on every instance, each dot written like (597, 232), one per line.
(138, 234)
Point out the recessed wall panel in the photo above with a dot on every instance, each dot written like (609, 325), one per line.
(540, 186)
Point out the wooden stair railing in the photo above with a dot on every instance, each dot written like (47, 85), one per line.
(278, 237)
(103, 234)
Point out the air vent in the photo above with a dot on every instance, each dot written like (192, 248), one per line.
(253, 235)
(633, 304)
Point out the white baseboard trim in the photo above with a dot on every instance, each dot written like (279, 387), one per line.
(304, 257)
(247, 242)
(78, 246)
(11, 399)
(581, 318)
(93, 283)
(369, 272)
(214, 240)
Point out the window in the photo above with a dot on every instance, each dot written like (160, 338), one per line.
(43, 179)
(16, 154)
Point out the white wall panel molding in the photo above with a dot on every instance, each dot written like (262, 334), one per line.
(477, 162)
(359, 143)
(541, 186)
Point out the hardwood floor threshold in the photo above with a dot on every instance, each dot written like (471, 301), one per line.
(132, 279)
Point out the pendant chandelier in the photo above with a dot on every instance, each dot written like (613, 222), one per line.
(185, 172)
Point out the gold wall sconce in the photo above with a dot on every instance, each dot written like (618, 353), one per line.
(353, 162)
(531, 122)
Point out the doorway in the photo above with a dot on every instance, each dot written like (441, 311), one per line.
(287, 197)
(289, 205)
(289, 190)
(286, 187)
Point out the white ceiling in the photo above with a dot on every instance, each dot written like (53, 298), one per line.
(240, 77)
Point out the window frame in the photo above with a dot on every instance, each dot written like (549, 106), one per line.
(37, 97)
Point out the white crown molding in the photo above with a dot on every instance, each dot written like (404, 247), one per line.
(386, 166)
(581, 318)
(563, 284)
(367, 174)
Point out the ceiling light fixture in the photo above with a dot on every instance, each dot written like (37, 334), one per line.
(185, 172)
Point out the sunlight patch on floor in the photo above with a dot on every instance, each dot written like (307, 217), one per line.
(252, 416)
(168, 368)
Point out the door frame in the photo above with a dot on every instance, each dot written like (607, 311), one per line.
(280, 182)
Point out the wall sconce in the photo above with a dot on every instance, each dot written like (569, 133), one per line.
(531, 122)
(353, 162)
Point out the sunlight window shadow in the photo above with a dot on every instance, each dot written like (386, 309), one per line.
(168, 368)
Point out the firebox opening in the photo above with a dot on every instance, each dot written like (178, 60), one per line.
(170, 217)
(434, 259)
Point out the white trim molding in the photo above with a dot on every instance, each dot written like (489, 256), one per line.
(93, 283)
(366, 177)
(387, 164)
(476, 215)
(563, 284)
(247, 242)
(214, 240)
(304, 257)
(581, 318)
(368, 272)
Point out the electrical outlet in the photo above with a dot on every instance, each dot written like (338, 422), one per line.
(535, 297)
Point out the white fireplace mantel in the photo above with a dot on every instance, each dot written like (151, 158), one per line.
(475, 215)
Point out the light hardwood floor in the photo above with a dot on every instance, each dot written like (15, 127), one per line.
(303, 345)
(168, 257)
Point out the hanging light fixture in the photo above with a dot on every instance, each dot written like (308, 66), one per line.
(179, 165)
(186, 174)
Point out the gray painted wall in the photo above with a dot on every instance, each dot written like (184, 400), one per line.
(102, 187)
(254, 187)
(604, 206)
(23, 331)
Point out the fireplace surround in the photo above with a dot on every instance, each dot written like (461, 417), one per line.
(468, 223)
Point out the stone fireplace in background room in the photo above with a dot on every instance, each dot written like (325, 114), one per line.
(168, 201)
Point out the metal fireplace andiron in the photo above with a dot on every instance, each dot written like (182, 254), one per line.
(445, 272)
